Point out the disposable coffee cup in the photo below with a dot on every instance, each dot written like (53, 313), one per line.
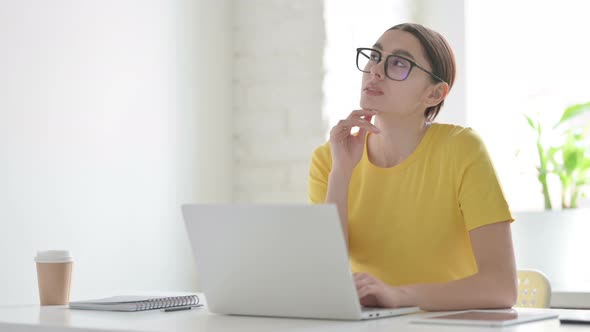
(54, 275)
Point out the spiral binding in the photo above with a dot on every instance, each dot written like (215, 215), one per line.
(167, 302)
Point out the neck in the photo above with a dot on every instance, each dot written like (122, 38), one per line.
(399, 137)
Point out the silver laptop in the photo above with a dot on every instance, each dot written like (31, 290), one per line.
(275, 260)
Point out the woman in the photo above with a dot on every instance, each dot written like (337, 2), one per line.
(422, 211)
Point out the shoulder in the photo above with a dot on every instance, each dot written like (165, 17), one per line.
(323, 151)
(458, 145)
(453, 138)
(322, 156)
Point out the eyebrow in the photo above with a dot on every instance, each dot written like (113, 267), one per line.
(398, 51)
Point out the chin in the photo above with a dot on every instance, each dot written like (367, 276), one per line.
(366, 105)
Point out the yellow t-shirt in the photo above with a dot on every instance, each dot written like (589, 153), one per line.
(410, 223)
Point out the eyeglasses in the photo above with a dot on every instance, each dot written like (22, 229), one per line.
(397, 67)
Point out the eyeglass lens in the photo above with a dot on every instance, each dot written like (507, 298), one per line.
(398, 68)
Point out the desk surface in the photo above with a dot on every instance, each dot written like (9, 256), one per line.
(60, 318)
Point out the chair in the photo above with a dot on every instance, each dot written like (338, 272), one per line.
(534, 289)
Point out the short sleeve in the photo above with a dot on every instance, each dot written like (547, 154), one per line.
(319, 170)
(480, 195)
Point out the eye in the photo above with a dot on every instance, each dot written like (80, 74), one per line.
(399, 62)
(374, 56)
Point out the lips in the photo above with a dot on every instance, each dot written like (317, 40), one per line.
(372, 90)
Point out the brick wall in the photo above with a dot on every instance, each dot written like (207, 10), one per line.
(277, 117)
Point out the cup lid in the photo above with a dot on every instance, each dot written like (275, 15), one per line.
(54, 256)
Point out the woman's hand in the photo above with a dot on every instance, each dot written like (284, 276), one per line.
(373, 292)
(347, 149)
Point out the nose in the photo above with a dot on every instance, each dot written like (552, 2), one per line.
(378, 70)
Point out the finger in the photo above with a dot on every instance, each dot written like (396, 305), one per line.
(338, 126)
(362, 275)
(361, 123)
(350, 123)
(366, 290)
(363, 131)
(362, 284)
(344, 128)
(359, 113)
(369, 301)
(358, 275)
(365, 279)
(340, 130)
(339, 133)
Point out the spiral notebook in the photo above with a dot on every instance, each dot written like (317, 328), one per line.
(137, 303)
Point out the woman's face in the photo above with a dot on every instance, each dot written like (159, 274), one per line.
(405, 97)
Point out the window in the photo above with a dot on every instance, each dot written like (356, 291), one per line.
(352, 24)
(523, 57)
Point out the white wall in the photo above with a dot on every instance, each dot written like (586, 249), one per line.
(112, 114)
(448, 18)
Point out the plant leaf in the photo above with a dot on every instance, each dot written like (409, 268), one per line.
(530, 121)
(572, 112)
(571, 159)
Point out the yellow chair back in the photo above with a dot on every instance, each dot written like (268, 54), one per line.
(534, 289)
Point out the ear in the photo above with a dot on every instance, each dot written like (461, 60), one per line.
(436, 93)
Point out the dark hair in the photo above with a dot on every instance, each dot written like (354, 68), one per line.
(438, 54)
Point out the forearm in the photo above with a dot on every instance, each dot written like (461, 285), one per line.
(337, 193)
(480, 291)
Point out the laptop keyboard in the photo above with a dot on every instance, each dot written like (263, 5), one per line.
(372, 309)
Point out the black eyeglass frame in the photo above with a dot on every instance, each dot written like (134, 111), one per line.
(412, 63)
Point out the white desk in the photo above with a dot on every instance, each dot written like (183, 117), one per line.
(30, 318)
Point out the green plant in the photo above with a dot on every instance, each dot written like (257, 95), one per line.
(570, 160)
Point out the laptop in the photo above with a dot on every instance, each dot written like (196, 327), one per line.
(275, 260)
